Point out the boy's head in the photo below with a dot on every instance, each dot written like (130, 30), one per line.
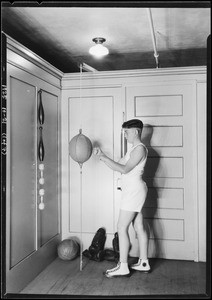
(132, 128)
(134, 123)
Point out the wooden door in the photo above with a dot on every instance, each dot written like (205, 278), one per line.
(99, 113)
(32, 235)
(168, 111)
(22, 170)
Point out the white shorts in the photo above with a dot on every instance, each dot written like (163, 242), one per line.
(133, 195)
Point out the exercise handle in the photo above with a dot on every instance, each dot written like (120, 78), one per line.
(41, 151)
(41, 115)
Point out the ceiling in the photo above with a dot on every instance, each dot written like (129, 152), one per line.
(63, 35)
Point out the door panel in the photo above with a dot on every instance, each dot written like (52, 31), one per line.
(165, 136)
(98, 112)
(163, 198)
(168, 112)
(97, 177)
(22, 170)
(158, 105)
(167, 167)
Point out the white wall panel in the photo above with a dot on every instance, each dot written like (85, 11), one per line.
(166, 229)
(164, 136)
(97, 186)
(166, 167)
(166, 198)
(158, 105)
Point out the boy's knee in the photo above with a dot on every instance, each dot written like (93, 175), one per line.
(139, 227)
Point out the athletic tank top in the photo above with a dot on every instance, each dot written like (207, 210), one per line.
(137, 172)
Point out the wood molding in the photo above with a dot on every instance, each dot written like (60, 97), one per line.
(32, 57)
(136, 73)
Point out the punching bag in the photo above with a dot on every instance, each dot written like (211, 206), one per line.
(80, 148)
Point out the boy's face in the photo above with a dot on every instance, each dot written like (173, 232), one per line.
(130, 134)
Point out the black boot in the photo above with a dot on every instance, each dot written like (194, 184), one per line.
(96, 249)
(98, 242)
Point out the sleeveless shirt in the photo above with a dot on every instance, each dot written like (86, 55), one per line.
(134, 188)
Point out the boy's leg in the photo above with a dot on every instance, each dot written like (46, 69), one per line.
(142, 236)
(122, 269)
(124, 221)
(143, 262)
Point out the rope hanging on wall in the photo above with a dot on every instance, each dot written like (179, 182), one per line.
(80, 150)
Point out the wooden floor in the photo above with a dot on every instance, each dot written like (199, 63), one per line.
(168, 277)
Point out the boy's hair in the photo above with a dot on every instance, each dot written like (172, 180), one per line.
(134, 123)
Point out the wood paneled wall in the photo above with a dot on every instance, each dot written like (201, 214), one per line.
(165, 136)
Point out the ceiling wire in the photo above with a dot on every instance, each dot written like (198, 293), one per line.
(156, 55)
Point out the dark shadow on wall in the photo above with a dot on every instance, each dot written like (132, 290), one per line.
(151, 204)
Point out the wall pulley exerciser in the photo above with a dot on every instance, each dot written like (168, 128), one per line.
(41, 150)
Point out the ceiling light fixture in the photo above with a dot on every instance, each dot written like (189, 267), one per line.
(98, 50)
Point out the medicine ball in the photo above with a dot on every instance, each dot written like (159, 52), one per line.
(68, 249)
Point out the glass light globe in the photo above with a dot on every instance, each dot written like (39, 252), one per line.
(99, 50)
